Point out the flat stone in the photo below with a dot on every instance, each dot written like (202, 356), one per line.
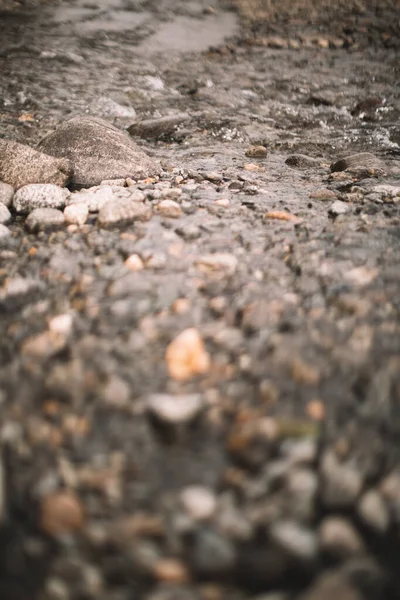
(44, 218)
(98, 151)
(158, 128)
(6, 193)
(361, 160)
(39, 195)
(5, 215)
(21, 165)
(302, 161)
(118, 212)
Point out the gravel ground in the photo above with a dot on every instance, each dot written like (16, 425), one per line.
(200, 357)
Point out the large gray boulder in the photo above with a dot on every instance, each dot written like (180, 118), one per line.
(98, 151)
(21, 165)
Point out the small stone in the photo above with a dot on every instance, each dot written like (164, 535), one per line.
(42, 219)
(61, 324)
(94, 198)
(175, 409)
(257, 152)
(39, 195)
(362, 160)
(341, 482)
(373, 511)
(109, 109)
(213, 554)
(6, 194)
(332, 586)
(170, 570)
(224, 202)
(98, 151)
(76, 214)
(361, 276)
(295, 539)
(322, 194)
(199, 502)
(387, 192)
(134, 263)
(5, 215)
(169, 208)
(120, 182)
(155, 129)
(218, 262)
(338, 538)
(338, 208)
(120, 212)
(302, 161)
(189, 232)
(21, 165)
(44, 345)
(213, 176)
(4, 232)
(61, 513)
(186, 355)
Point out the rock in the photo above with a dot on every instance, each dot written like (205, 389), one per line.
(5, 215)
(98, 151)
(386, 192)
(199, 502)
(257, 152)
(302, 161)
(339, 539)
(213, 554)
(123, 211)
(299, 541)
(39, 195)
(155, 129)
(94, 198)
(169, 208)
(189, 232)
(186, 355)
(175, 409)
(6, 193)
(218, 262)
(109, 109)
(170, 570)
(322, 194)
(16, 290)
(21, 165)
(341, 483)
(134, 263)
(362, 160)
(76, 214)
(44, 218)
(338, 208)
(61, 513)
(4, 232)
(332, 586)
(373, 511)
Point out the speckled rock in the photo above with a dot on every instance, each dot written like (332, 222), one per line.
(6, 193)
(123, 211)
(5, 215)
(21, 165)
(44, 218)
(4, 232)
(364, 160)
(39, 195)
(97, 151)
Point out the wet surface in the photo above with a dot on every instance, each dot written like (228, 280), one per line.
(297, 420)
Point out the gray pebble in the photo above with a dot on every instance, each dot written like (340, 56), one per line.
(341, 483)
(44, 218)
(299, 541)
(301, 161)
(338, 208)
(4, 232)
(5, 215)
(339, 538)
(189, 232)
(158, 128)
(213, 554)
(39, 195)
(361, 160)
(118, 212)
(6, 193)
(373, 511)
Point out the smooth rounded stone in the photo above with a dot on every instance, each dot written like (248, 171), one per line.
(189, 232)
(123, 211)
(4, 232)
(5, 215)
(338, 208)
(98, 151)
(199, 502)
(373, 511)
(94, 198)
(39, 195)
(226, 263)
(256, 152)
(154, 129)
(361, 160)
(299, 541)
(44, 218)
(175, 409)
(302, 486)
(213, 554)
(170, 209)
(121, 182)
(21, 165)
(76, 214)
(339, 538)
(341, 483)
(302, 161)
(6, 194)
(109, 109)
